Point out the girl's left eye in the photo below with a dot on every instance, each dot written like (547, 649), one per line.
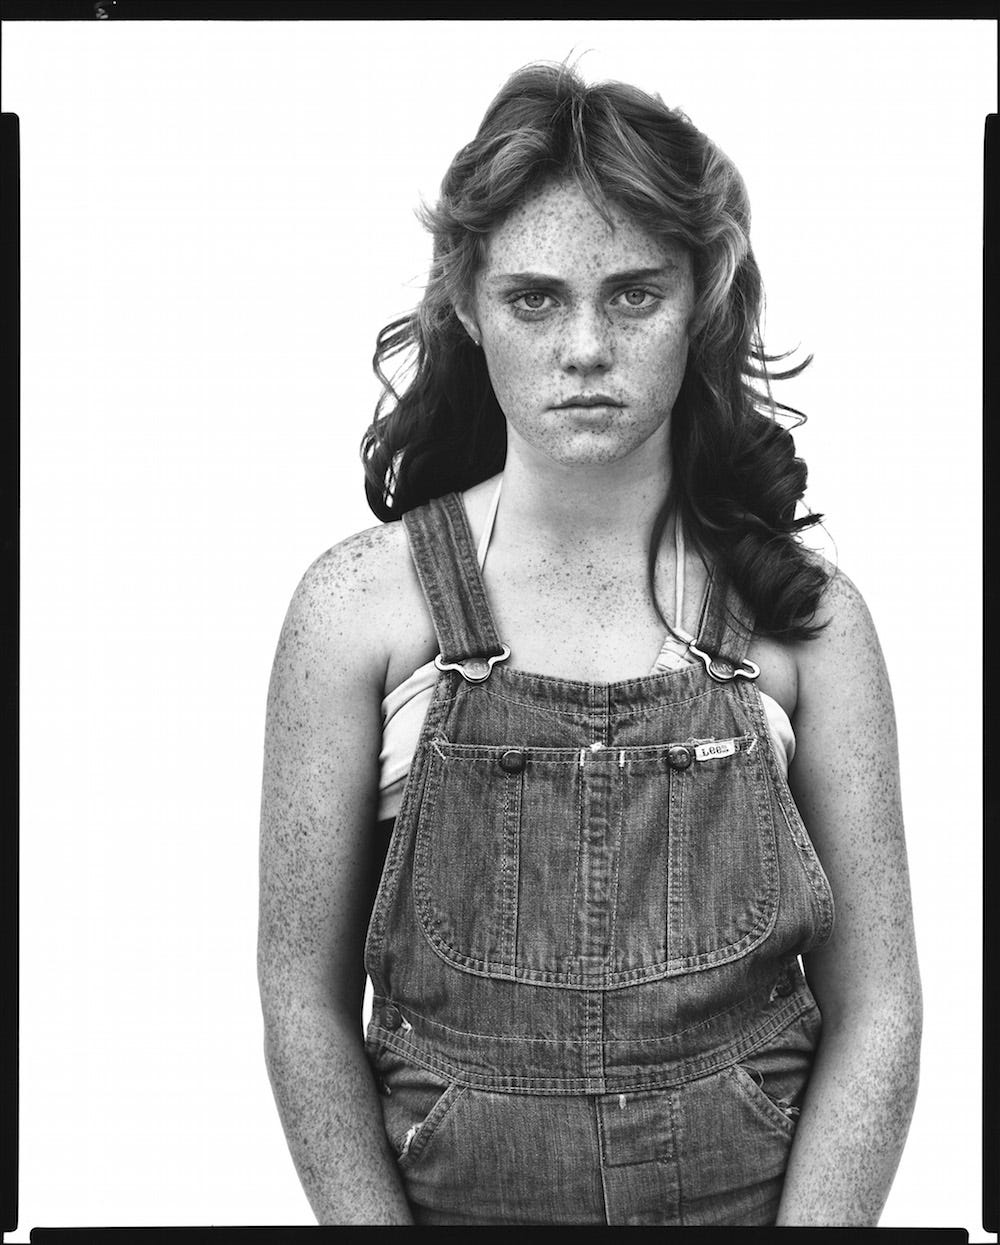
(638, 298)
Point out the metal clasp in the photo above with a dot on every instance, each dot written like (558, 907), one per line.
(724, 671)
(473, 669)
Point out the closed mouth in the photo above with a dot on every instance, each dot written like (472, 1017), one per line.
(590, 399)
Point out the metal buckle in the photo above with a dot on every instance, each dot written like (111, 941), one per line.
(473, 669)
(723, 671)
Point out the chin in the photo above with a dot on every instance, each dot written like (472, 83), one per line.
(592, 454)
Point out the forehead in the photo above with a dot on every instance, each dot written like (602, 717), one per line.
(558, 228)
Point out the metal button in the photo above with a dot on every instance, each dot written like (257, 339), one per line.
(512, 761)
(679, 757)
(392, 1017)
(476, 668)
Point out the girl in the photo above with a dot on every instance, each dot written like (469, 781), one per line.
(606, 738)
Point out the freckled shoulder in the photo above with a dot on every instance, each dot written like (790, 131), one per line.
(790, 668)
(841, 607)
(846, 653)
(360, 603)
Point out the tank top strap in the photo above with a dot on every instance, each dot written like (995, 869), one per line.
(725, 628)
(445, 558)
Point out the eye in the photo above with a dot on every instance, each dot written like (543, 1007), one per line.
(531, 301)
(638, 298)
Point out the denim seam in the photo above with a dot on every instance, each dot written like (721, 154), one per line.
(581, 688)
(563, 979)
(750, 1091)
(422, 840)
(444, 557)
(448, 1071)
(798, 1003)
(676, 864)
(511, 868)
(617, 712)
(678, 1168)
(602, 1157)
(593, 1046)
(613, 936)
(414, 790)
(540, 710)
(641, 713)
(819, 885)
(766, 831)
(571, 940)
(431, 1124)
(635, 754)
(696, 1068)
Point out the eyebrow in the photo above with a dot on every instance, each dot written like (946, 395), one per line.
(614, 278)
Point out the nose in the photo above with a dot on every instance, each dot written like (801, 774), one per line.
(585, 347)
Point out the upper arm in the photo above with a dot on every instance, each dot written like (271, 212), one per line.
(845, 780)
(318, 863)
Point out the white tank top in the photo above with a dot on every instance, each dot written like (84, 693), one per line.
(404, 709)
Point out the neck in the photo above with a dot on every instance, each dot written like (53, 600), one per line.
(605, 504)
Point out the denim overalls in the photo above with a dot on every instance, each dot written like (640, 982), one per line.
(588, 1006)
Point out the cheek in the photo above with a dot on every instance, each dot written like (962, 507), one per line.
(655, 352)
(515, 360)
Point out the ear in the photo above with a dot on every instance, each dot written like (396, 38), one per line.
(469, 324)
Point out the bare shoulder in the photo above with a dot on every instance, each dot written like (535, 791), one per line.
(357, 605)
(356, 574)
(841, 657)
(848, 639)
(359, 608)
(841, 604)
(844, 696)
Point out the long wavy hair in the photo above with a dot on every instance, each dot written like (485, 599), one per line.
(735, 481)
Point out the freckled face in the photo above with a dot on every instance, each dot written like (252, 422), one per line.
(584, 327)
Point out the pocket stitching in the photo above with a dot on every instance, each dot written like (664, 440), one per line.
(441, 936)
(762, 815)
(764, 1106)
(429, 1127)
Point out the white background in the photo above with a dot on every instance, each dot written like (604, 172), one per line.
(217, 219)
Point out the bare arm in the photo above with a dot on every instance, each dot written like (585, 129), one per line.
(845, 778)
(318, 872)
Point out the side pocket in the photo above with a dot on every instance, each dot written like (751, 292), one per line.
(780, 1113)
(774, 1078)
(414, 1101)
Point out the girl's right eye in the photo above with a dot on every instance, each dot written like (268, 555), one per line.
(530, 300)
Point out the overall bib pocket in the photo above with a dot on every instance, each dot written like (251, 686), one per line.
(521, 854)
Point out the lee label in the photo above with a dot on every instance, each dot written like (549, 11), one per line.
(718, 748)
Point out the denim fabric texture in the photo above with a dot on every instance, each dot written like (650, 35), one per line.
(584, 949)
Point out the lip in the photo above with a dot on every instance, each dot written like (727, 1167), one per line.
(587, 399)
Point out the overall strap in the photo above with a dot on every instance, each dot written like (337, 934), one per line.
(445, 558)
(725, 630)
